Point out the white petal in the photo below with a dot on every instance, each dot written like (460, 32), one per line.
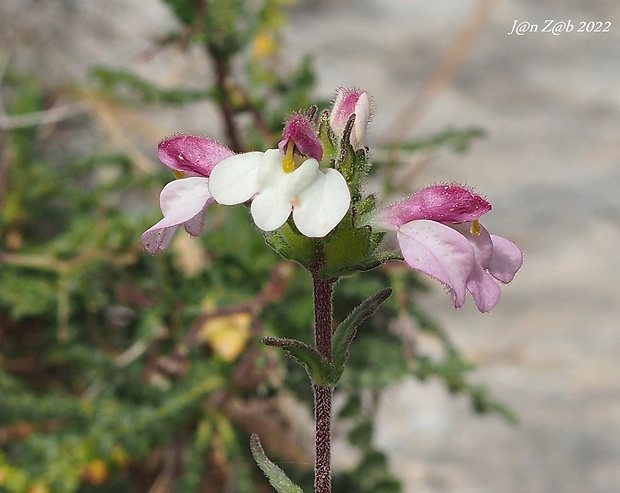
(270, 172)
(302, 178)
(271, 208)
(181, 200)
(234, 180)
(321, 206)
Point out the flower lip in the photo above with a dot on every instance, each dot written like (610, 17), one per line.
(192, 155)
(446, 204)
(298, 129)
(461, 260)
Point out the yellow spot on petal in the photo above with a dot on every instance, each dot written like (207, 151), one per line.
(288, 165)
(227, 335)
(178, 174)
(475, 228)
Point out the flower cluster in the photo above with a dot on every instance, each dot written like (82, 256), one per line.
(312, 181)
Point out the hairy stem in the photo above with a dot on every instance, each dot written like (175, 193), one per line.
(323, 316)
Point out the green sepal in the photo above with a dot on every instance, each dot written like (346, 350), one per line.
(348, 248)
(318, 368)
(277, 477)
(345, 333)
(353, 164)
(326, 136)
(292, 245)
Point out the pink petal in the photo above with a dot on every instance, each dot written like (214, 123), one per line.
(439, 251)
(507, 259)
(483, 288)
(157, 238)
(442, 203)
(193, 155)
(299, 129)
(482, 244)
(182, 202)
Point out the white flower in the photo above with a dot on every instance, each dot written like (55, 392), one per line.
(318, 197)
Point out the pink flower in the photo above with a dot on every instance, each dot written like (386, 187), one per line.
(184, 201)
(347, 103)
(439, 234)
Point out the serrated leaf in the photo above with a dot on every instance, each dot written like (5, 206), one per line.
(318, 368)
(277, 477)
(345, 333)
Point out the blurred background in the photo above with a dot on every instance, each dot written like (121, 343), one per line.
(549, 163)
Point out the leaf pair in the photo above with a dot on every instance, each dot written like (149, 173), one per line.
(321, 371)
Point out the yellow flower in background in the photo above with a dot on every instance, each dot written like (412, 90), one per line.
(227, 335)
(96, 472)
(39, 488)
(265, 45)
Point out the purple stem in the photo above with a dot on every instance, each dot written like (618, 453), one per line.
(323, 318)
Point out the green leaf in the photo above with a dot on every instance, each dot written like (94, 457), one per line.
(378, 361)
(458, 140)
(115, 80)
(345, 333)
(318, 368)
(277, 477)
(361, 435)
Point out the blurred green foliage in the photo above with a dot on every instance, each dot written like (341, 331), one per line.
(120, 371)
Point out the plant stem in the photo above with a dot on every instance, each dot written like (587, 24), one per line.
(323, 317)
(224, 101)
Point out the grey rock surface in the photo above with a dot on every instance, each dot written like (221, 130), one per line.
(550, 165)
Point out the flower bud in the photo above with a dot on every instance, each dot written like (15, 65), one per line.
(347, 103)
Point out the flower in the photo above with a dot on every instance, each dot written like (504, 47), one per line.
(318, 197)
(184, 201)
(286, 179)
(439, 234)
(347, 103)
